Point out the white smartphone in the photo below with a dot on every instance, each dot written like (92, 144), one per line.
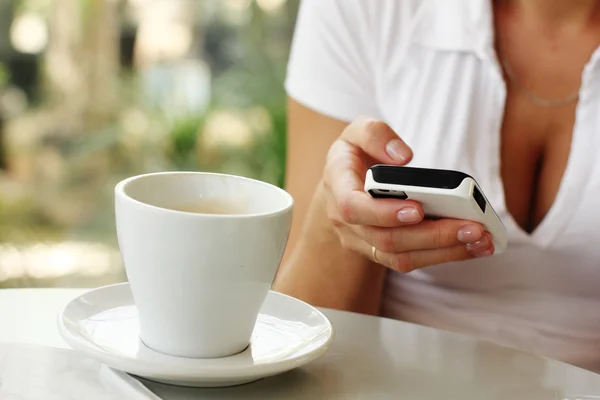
(441, 193)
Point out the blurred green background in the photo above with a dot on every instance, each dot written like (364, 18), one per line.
(92, 91)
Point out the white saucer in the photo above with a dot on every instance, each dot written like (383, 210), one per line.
(103, 324)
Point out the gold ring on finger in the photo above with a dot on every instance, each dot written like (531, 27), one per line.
(374, 254)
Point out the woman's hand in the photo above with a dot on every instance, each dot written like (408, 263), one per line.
(391, 232)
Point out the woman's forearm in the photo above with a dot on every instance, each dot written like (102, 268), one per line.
(323, 273)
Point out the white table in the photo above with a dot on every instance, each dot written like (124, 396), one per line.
(372, 358)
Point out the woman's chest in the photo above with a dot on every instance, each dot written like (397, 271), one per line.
(535, 146)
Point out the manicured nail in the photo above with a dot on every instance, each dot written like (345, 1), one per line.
(470, 234)
(409, 215)
(479, 246)
(397, 150)
(486, 253)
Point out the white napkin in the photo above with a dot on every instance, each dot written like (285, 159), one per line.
(131, 387)
(45, 373)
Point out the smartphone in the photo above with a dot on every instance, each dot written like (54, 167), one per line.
(441, 193)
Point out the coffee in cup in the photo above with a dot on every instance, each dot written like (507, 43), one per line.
(212, 205)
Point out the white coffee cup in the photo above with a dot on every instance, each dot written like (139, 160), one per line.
(199, 280)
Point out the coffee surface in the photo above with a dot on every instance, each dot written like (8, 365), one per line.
(212, 205)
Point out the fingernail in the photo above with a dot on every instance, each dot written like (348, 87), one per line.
(397, 150)
(486, 253)
(470, 234)
(409, 215)
(479, 246)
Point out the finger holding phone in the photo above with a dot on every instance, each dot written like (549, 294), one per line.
(394, 228)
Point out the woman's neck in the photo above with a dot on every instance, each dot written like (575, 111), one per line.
(575, 14)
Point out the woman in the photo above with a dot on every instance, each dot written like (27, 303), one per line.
(507, 91)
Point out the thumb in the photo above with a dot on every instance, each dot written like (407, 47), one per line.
(378, 140)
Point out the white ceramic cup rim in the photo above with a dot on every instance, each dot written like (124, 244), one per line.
(288, 201)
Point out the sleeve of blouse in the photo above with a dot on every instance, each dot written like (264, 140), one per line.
(329, 68)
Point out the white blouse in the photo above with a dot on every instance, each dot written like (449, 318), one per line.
(428, 68)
